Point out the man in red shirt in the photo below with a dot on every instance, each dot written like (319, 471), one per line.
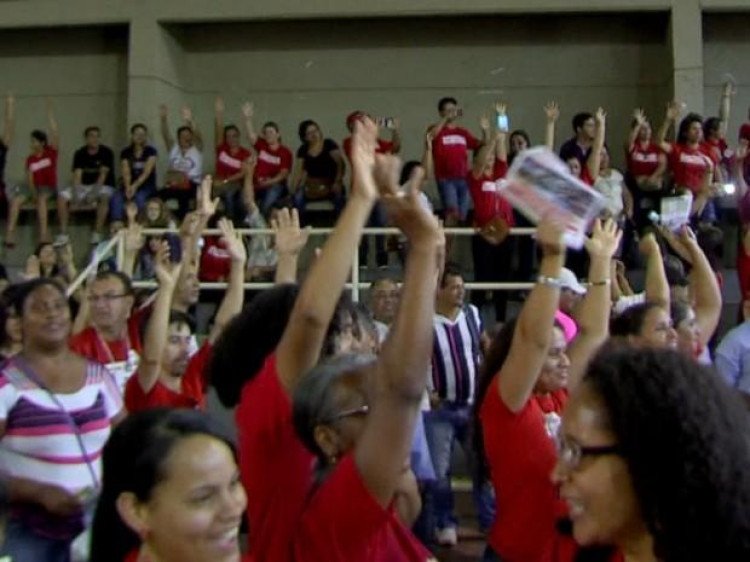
(168, 376)
(377, 217)
(274, 161)
(230, 155)
(113, 338)
(450, 144)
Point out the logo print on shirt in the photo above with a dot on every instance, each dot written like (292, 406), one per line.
(454, 140)
(40, 165)
(229, 161)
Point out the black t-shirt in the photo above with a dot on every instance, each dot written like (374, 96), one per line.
(322, 166)
(91, 164)
(3, 156)
(138, 163)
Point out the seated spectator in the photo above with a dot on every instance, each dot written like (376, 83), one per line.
(274, 162)
(319, 169)
(652, 459)
(6, 139)
(138, 174)
(113, 337)
(581, 145)
(733, 355)
(493, 217)
(450, 144)
(11, 338)
(93, 182)
(693, 170)
(41, 180)
(377, 218)
(610, 183)
(518, 141)
(366, 497)
(168, 376)
(184, 161)
(714, 136)
(57, 409)
(384, 299)
(230, 155)
(52, 261)
(170, 491)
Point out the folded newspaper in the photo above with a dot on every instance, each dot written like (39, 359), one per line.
(539, 183)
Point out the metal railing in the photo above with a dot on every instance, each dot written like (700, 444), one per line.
(355, 285)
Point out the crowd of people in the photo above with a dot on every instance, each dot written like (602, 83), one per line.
(601, 423)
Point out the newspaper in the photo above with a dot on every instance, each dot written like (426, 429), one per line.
(675, 211)
(539, 183)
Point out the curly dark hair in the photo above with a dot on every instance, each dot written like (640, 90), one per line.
(686, 441)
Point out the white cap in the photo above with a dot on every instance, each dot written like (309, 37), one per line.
(568, 280)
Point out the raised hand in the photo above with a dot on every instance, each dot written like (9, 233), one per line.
(500, 108)
(484, 123)
(364, 141)
(549, 233)
(289, 238)
(190, 225)
(639, 116)
(552, 111)
(163, 111)
(206, 206)
(219, 104)
(248, 110)
(429, 136)
(687, 237)
(167, 272)
(408, 214)
(604, 240)
(600, 116)
(233, 241)
(66, 255)
(396, 124)
(249, 164)
(187, 114)
(728, 89)
(674, 108)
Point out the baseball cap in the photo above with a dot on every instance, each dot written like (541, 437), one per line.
(568, 280)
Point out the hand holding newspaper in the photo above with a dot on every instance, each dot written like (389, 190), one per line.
(539, 183)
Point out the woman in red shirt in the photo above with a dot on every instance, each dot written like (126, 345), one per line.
(521, 394)
(653, 459)
(171, 491)
(357, 415)
(41, 178)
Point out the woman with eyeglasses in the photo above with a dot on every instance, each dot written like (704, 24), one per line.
(357, 415)
(56, 411)
(319, 169)
(521, 394)
(653, 461)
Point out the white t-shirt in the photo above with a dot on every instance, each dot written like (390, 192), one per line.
(189, 162)
(611, 189)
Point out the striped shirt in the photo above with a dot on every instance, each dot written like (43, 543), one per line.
(455, 355)
(40, 442)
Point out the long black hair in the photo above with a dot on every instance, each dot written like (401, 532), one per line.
(134, 460)
(686, 441)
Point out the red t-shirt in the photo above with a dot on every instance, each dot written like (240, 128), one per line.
(271, 161)
(643, 161)
(229, 163)
(449, 152)
(488, 203)
(689, 166)
(521, 455)
(216, 262)
(343, 522)
(193, 383)
(43, 167)
(276, 468)
(384, 147)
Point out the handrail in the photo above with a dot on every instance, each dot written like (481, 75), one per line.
(117, 239)
(355, 285)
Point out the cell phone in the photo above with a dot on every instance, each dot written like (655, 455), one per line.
(502, 123)
(728, 189)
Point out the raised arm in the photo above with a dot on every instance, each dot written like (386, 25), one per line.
(486, 148)
(639, 119)
(533, 332)
(657, 286)
(289, 240)
(134, 241)
(552, 112)
(501, 137)
(740, 155)
(299, 348)
(166, 134)
(218, 121)
(187, 118)
(9, 127)
(593, 315)
(705, 288)
(231, 305)
(427, 158)
(400, 374)
(670, 118)
(396, 136)
(248, 112)
(594, 161)
(167, 273)
(54, 129)
(725, 107)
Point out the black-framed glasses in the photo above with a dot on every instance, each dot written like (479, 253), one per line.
(571, 453)
(359, 411)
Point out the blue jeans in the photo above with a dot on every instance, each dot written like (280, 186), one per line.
(454, 195)
(22, 544)
(117, 202)
(446, 425)
(268, 197)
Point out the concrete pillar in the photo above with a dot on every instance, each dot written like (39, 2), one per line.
(686, 35)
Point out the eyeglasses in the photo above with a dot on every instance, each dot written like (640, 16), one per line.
(106, 298)
(571, 453)
(352, 412)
